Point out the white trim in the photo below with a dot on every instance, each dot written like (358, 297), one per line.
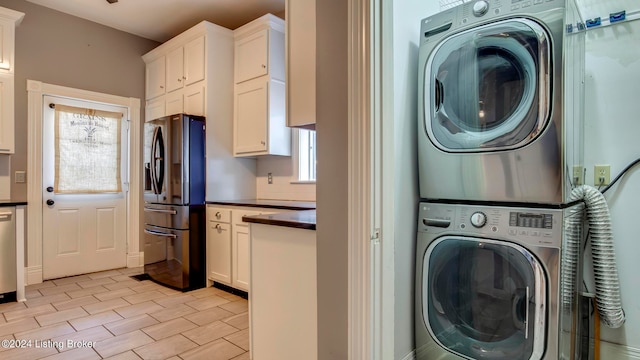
(612, 351)
(359, 187)
(33, 275)
(135, 259)
(36, 91)
(20, 293)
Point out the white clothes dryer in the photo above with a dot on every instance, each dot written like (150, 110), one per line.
(494, 79)
(497, 283)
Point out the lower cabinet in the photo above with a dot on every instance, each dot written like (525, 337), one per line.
(240, 252)
(228, 244)
(219, 251)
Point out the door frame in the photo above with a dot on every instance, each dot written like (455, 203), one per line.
(371, 151)
(36, 91)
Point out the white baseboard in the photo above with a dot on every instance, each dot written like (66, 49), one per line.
(33, 275)
(410, 356)
(135, 260)
(610, 351)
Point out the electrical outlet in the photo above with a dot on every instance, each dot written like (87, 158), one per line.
(578, 175)
(601, 175)
(269, 178)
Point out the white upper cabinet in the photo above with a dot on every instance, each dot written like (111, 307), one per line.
(259, 101)
(175, 69)
(252, 56)
(185, 65)
(194, 61)
(177, 78)
(9, 19)
(301, 63)
(155, 78)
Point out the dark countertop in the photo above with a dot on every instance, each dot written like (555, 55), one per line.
(305, 219)
(275, 204)
(12, 203)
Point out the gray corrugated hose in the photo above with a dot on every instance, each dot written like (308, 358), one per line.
(603, 254)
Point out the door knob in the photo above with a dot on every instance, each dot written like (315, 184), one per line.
(50, 202)
(50, 189)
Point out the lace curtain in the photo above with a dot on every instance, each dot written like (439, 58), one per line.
(87, 150)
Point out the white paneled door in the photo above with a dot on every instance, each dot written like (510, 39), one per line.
(84, 179)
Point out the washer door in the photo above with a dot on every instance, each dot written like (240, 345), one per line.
(484, 299)
(488, 88)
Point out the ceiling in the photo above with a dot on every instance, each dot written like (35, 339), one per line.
(160, 20)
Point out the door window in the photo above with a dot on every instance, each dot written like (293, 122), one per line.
(488, 87)
(484, 299)
(87, 150)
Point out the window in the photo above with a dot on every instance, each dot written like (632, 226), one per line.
(304, 155)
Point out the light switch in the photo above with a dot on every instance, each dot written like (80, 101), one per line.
(21, 177)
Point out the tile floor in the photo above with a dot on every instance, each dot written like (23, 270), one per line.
(109, 315)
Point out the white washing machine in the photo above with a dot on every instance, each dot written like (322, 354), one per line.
(500, 99)
(497, 283)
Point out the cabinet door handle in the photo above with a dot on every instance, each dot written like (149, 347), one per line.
(218, 227)
(218, 215)
(179, 80)
(161, 87)
(262, 142)
(264, 66)
(184, 77)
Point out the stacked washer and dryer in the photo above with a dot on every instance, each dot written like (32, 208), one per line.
(498, 262)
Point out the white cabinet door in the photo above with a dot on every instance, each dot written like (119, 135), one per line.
(155, 109)
(251, 113)
(251, 54)
(175, 69)
(241, 256)
(155, 76)
(174, 103)
(194, 61)
(219, 251)
(194, 99)
(7, 140)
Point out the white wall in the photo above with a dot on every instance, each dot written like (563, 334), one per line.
(612, 131)
(281, 168)
(407, 15)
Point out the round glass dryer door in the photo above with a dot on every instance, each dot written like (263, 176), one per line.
(488, 88)
(484, 299)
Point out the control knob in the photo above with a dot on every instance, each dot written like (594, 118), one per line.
(480, 8)
(478, 219)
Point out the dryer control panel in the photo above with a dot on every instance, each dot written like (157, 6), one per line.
(472, 13)
(541, 227)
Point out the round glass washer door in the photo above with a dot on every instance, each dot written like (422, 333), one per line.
(488, 88)
(484, 299)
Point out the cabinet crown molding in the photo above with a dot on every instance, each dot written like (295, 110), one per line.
(263, 22)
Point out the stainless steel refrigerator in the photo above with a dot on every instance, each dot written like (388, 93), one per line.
(174, 201)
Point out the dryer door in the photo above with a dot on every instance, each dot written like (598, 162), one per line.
(484, 299)
(488, 88)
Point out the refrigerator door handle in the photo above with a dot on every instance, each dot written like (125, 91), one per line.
(159, 141)
(157, 233)
(152, 167)
(170, 212)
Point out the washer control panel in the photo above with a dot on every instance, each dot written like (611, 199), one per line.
(534, 226)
